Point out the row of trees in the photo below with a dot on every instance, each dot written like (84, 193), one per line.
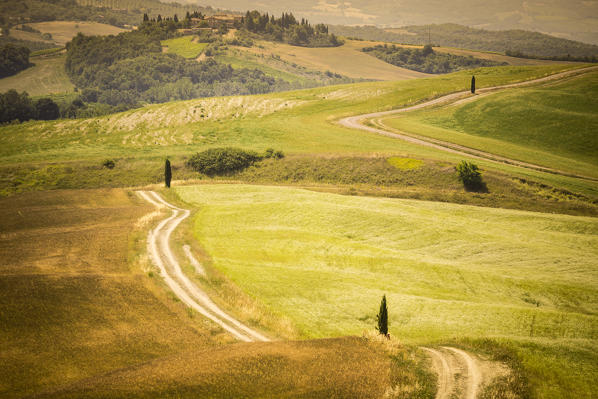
(13, 59)
(288, 29)
(427, 60)
(19, 106)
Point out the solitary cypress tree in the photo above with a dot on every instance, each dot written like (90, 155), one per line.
(383, 318)
(473, 85)
(167, 173)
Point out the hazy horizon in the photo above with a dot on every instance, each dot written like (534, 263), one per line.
(575, 20)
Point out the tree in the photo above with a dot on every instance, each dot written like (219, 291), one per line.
(427, 50)
(46, 109)
(470, 175)
(383, 318)
(167, 173)
(473, 85)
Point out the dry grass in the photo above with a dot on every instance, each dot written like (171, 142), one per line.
(72, 304)
(334, 59)
(47, 76)
(331, 368)
(63, 31)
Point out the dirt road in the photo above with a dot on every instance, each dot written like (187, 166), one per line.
(356, 122)
(461, 374)
(159, 250)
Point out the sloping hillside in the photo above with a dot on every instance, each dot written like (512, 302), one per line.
(453, 35)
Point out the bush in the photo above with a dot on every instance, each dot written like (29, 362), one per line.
(217, 161)
(108, 163)
(470, 175)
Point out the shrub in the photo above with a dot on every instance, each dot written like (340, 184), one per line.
(382, 318)
(217, 161)
(470, 175)
(167, 173)
(108, 163)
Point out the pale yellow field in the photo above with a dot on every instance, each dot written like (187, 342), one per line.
(334, 59)
(64, 31)
(46, 77)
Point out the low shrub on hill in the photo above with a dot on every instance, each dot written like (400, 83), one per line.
(222, 161)
(218, 161)
(470, 175)
(427, 60)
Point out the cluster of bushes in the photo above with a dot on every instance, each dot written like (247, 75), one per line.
(288, 29)
(427, 60)
(13, 59)
(131, 67)
(15, 106)
(222, 161)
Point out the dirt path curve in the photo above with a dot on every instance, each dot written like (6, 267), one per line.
(460, 374)
(158, 242)
(355, 122)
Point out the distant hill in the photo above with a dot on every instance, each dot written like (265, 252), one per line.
(453, 35)
(571, 19)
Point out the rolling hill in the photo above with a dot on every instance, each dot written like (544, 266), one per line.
(450, 272)
(453, 35)
(572, 19)
(551, 125)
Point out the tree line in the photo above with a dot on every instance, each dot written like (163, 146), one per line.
(427, 60)
(19, 106)
(288, 29)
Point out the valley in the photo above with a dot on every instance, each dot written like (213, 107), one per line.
(218, 210)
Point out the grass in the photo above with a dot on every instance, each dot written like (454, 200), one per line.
(241, 59)
(331, 368)
(63, 31)
(298, 122)
(85, 315)
(184, 46)
(47, 76)
(451, 273)
(551, 125)
(334, 59)
(75, 301)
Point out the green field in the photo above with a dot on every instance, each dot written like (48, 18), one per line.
(552, 125)
(299, 122)
(452, 273)
(184, 46)
(47, 76)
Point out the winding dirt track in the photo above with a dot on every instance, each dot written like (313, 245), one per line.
(355, 122)
(458, 373)
(158, 242)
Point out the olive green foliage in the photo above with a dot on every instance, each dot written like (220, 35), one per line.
(216, 161)
(131, 67)
(470, 175)
(13, 59)
(426, 60)
(290, 30)
(109, 164)
(382, 317)
(167, 173)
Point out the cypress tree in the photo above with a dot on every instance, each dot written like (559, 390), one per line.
(383, 318)
(473, 85)
(167, 173)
